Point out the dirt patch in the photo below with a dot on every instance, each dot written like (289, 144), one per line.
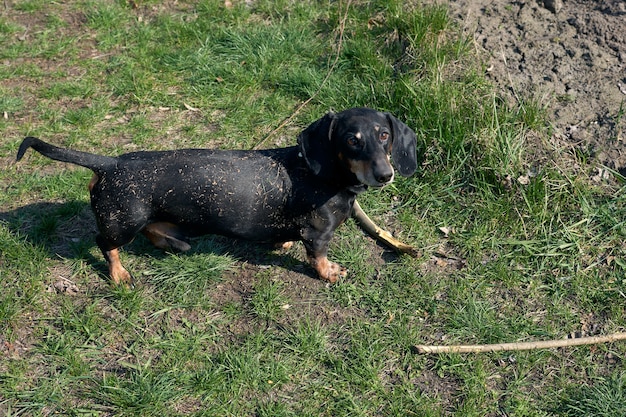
(570, 55)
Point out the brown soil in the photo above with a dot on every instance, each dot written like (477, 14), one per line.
(569, 55)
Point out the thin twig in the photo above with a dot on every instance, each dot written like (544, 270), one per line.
(342, 27)
(545, 344)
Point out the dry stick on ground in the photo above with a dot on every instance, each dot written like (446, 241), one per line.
(376, 232)
(546, 344)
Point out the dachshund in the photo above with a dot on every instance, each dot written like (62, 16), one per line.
(302, 192)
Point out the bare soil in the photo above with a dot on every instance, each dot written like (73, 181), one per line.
(567, 55)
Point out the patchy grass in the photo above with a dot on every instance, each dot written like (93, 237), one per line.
(518, 243)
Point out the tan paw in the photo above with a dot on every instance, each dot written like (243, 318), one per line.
(327, 270)
(120, 276)
(284, 245)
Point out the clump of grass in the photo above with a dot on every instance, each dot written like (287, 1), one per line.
(604, 398)
(185, 278)
(140, 391)
(267, 301)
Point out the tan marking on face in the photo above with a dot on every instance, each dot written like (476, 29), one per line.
(363, 171)
(358, 135)
(377, 128)
(359, 168)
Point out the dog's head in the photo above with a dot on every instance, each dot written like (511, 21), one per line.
(357, 143)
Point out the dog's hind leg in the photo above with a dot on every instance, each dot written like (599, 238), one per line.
(117, 272)
(284, 245)
(166, 236)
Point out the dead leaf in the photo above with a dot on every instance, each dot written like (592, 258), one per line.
(390, 318)
(507, 182)
(64, 286)
(441, 262)
(372, 23)
(603, 174)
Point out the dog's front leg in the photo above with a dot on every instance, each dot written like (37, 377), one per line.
(328, 270)
(317, 255)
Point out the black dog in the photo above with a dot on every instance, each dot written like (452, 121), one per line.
(301, 192)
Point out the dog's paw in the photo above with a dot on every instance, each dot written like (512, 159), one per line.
(284, 245)
(327, 270)
(121, 277)
(335, 271)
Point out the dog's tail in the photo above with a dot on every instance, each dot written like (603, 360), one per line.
(88, 160)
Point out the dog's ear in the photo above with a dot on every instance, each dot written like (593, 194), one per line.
(403, 146)
(316, 146)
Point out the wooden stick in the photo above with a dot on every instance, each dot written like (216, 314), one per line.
(546, 344)
(377, 233)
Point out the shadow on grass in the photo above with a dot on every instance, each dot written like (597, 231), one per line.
(68, 230)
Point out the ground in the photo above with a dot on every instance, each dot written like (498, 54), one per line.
(569, 55)
(553, 268)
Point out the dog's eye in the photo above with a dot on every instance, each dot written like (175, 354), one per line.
(353, 141)
(384, 136)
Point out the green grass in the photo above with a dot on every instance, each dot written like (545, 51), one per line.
(237, 329)
(604, 398)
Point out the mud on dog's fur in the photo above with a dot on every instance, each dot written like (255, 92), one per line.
(302, 192)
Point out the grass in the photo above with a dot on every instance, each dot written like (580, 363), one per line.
(233, 328)
(604, 398)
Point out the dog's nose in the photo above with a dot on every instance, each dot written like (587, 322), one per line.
(384, 178)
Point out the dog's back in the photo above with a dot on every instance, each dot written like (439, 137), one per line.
(255, 195)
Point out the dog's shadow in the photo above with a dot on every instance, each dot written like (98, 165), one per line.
(68, 229)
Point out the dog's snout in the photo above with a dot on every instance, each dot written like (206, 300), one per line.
(382, 172)
(384, 178)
